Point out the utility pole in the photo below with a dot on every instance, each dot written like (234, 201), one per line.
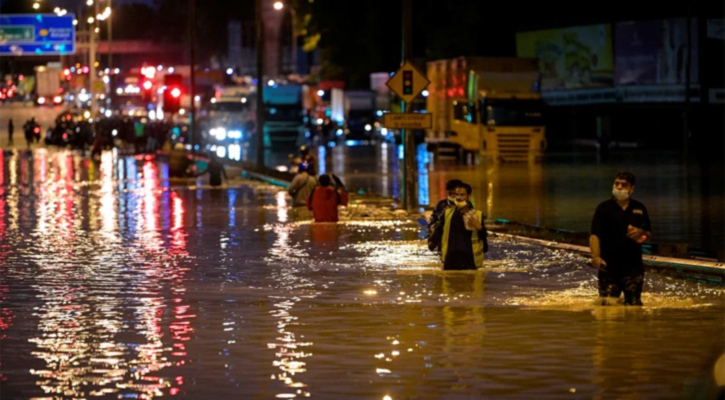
(688, 68)
(92, 56)
(110, 37)
(260, 83)
(293, 16)
(410, 198)
(192, 74)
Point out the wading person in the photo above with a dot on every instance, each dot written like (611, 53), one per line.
(464, 240)
(301, 186)
(619, 227)
(11, 130)
(308, 159)
(323, 201)
(215, 169)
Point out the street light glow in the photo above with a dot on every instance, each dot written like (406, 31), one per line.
(91, 20)
(278, 5)
(36, 6)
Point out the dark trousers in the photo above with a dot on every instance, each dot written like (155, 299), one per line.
(613, 284)
(459, 261)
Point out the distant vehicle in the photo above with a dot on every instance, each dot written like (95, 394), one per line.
(48, 90)
(359, 114)
(71, 129)
(486, 106)
(230, 116)
(283, 116)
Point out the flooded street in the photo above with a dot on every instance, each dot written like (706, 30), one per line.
(117, 282)
(686, 202)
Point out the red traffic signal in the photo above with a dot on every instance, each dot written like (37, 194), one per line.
(173, 92)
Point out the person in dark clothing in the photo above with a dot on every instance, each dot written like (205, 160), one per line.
(29, 129)
(323, 201)
(465, 239)
(216, 170)
(11, 130)
(619, 227)
(308, 159)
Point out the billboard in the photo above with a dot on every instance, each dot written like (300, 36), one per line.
(37, 34)
(655, 52)
(571, 58)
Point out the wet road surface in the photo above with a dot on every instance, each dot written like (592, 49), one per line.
(686, 202)
(116, 282)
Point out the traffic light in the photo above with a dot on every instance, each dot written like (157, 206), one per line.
(147, 87)
(173, 92)
(407, 82)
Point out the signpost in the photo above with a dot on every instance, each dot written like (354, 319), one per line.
(37, 35)
(408, 121)
(408, 83)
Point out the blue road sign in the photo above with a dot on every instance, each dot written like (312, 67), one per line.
(37, 35)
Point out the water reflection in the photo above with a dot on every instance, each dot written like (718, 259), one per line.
(684, 201)
(288, 349)
(100, 293)
(131, 286)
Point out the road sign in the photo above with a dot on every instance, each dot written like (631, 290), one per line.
(407, 83)
(37, 34)
(408, 121)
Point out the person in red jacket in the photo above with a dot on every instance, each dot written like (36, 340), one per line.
(323, 201)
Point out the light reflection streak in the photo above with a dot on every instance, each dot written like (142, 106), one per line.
(13, 193)
(423, 159)
(289, 351)
(384, 154)
(321, 160)
(83, 288)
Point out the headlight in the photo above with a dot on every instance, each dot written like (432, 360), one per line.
(368, 128)
(219, 133)
(235, 134)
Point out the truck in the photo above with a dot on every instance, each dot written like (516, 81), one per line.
(490, 107)
(48, 89)
(359, 114)
(284, 126)
(230, 116)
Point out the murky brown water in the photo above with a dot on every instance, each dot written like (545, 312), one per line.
(117, 283)
(686, 202)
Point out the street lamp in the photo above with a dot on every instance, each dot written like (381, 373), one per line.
(278, 5)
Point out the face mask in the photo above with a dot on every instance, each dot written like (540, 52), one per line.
(621, 195)
(461, 204)
(452, 199)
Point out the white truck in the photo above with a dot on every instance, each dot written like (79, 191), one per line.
(47, 86)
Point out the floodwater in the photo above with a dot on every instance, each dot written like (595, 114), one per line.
(686, 202)
(117, 283)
